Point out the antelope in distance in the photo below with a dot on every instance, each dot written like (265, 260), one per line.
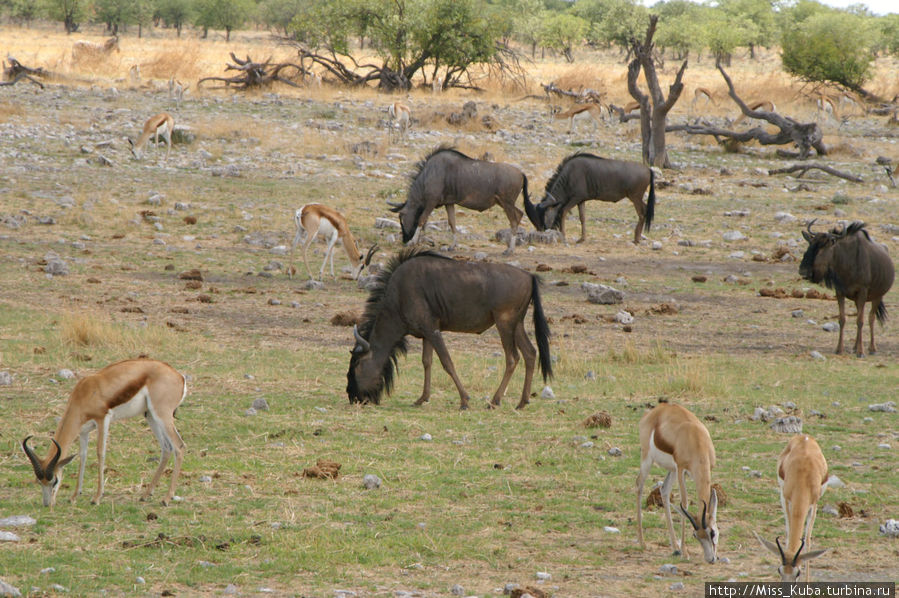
(159, 124)
(848, 261)
(672, 437)
(763, 105)
(85, 50)
(125, 389)
(177, 90)
(447, 177)
(315, 218)
(582, 112)
(703, 95)
(802, 478)
(400, 118)
(422, 293)
(583, 176)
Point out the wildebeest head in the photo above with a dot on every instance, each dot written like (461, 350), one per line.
(706, 531)
(549, 211)
(817, 262)
(363, 379)
(48, 474)
(409, 214)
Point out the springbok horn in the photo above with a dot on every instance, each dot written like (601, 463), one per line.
(783, 558)
(796, 558)
(689, 517)
(371, 252)
(35, 462)
(51, 466)
(362, 342)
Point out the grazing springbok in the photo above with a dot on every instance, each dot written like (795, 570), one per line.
(583, 176)
(447, 177)
(422, 294)
(125, 389)
(314, 218)
(156, 125)
(672, 437)
(85, 50)
(581, 112)
(400, 118)
(848, 261)
(763, 105)
(704, 95)
(802, 477)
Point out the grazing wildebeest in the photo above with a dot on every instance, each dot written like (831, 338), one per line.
(447, 177)
(423, 293)
(855, 267)
(583, 176)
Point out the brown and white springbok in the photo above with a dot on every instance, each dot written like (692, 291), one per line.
(125, 389)
(315, 218)
(580, 112)
(672, 437)
(802, 477)
(159, 124)
(764, 105)
(400, 118)
(702, 95)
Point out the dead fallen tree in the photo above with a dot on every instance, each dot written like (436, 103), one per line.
(584, 96)
(259, 74)
(14, 71)
(804, 168)
(806, 136)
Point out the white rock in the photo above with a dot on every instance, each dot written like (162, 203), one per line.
(830, 510)
(65, 374)
(624, 317)
(615, 451)
(668, 569)
(611, 530)
(547, 393)
(602, 294)
(425, 437)
(140, 580)
(8, 590)
(5, 378)
(543, 576)
(733, 235)
(676, 586)
(8, 537)
(17, 521)
(890, 528)
(888, 407)
(784, 217)
(884, 445)
(656, 245)
(371, 481)
(830, 327)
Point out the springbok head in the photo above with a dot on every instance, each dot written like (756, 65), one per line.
(48, 474)
(790, 568)
(706, 531)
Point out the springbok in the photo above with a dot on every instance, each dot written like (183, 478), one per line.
(763, 105)
(802, 478)
(400, 118)
(848, 261)
(176, 90)
(161, 123)
(315, 218)
(581, 112)
(672, 437)
(826, 106)
(125, 389)
(422, 293)
(704, 95)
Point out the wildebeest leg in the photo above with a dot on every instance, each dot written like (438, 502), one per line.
(514, 215)
(506, 331)
(641, 219)
(841, 301)
(529, 353)
(872, 348)
(436, 340)
(427, 354)
(860, 301)
(451, 219)
(582, 214)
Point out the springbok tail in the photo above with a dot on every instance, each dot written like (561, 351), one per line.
(529, 208)
(541, 330)
(651, 201)
(881, 313)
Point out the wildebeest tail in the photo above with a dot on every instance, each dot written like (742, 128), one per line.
(651, 201)
(541, 330)
(881, 313)
(529, 208)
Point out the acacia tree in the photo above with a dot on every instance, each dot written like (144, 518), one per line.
(70, 12)
(654, 116)
(223, 14)
(561, 32)
(175, 13)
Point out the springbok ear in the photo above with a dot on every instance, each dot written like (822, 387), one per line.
(812, 555)
(769, 545)
(713, 506)
(65, 461)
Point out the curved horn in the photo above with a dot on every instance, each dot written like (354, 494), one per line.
(395, 207)
(35, 462)
(796, 558)
(783, 559)
(688, 516)
(809, 226)
(371, 252)
(51, 466)
(362, 342)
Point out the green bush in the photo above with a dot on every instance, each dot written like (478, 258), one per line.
(833, 47)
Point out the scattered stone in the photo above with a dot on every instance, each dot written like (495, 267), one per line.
(602, 294)
(611, 530)
(230, 589)
(676, 586)
(371, 481)
(787, 425)
(884, 445)
(890, 528)
(547, 393)
(8, 537)
(8, 590)
(668, 569)
(615, 452)
(598, 420)
(784, 217)
(797, 313)
(543, 576)
(590, 375)
(656, 245)
(250, 412)
(817, 356)
(260, 404)
(312, 285)
(888, 407)
(5, 378)
(323, 469)
(830, 327)
(56, 267)
(17, 521)
(830, 510)
(425, 437)
(274, 301)
(387, 223)
(457, 590)
(205, 479)
(140, 580)
(624, 317)
(733, 235)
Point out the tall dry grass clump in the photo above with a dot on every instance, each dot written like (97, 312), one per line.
(95, 330)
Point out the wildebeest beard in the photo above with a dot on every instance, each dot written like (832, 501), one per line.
(384, 380)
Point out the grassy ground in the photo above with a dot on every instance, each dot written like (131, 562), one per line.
(495, 496)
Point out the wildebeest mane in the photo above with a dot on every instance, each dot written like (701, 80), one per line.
(420, 165)
(555, 176)
(373, 306)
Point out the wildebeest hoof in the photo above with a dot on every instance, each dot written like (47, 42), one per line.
(579, 241)
(676, 553)
(421, 401)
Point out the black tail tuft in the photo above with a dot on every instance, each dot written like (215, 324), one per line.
(651, 201)
(541, 330)
(881, 313)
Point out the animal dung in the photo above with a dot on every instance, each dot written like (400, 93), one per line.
(544, 268)
(345, 318)
(699, 278)
(190, 220)
(528, 591)
(323, 469)
(846, 511)
(721, 494)
(576, 269)
(598, 420)
(193, 285)
(191, 275)
(654, 499)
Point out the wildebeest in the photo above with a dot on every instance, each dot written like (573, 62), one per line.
(855, 267)
(583, 176)
(447, 177)
(422, 293)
